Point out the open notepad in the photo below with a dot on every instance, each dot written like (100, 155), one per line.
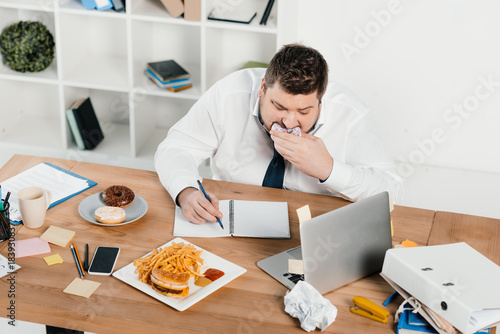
(62, 183)
(255, 219)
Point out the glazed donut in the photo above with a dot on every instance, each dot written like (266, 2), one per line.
(118, 196)
(110, 215)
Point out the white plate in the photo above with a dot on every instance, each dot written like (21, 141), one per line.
(196, 293)
(134, 211)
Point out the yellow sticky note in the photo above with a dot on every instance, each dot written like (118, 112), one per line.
(53, 259)
(295, 266)
(58, 236)
(304, 213)
(82, 287)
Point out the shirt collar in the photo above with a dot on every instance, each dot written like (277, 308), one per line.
(321, 119)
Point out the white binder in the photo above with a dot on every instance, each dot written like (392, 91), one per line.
(454, 280)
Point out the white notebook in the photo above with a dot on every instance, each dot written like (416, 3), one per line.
(255, 219)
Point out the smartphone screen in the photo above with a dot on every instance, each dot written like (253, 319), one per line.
(104, 260)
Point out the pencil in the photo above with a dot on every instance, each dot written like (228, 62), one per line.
(79, 266)
(206, 196)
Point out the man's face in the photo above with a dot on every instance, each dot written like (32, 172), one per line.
(289, 111)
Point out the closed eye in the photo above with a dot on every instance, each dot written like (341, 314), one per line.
(278, 106)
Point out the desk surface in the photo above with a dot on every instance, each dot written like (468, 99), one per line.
(251, 303)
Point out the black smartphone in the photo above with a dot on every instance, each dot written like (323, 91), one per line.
(103, 261)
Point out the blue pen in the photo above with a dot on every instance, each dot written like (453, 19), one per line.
(206, 196)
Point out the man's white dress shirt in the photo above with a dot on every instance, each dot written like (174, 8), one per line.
(223, 125)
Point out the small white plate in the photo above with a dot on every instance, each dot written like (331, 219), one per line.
(134, 211)
(196, 293)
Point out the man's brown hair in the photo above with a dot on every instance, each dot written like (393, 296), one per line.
(298, 69)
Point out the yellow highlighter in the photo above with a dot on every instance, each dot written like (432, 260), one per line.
(368, 309)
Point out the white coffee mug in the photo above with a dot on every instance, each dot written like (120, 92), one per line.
(33, 204)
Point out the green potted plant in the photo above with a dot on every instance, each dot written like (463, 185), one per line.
(27, 46)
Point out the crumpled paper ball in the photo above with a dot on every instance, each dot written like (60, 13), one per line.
(310, 307)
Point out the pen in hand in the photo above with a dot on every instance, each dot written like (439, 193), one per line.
(206, 196)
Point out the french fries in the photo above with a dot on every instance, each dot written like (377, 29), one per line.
(177, 258)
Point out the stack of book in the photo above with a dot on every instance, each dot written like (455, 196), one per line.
(169, 75)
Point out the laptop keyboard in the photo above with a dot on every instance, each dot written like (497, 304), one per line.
(294, 277)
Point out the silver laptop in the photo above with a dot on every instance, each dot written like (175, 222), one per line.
(338, 247)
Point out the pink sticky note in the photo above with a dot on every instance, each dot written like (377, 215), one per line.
(29, 247)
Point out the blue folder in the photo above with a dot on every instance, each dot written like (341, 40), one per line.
(90, 184)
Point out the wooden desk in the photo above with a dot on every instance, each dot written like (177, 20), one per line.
(479, 232)
(251, 303)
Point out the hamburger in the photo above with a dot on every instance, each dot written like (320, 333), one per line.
(170, 284)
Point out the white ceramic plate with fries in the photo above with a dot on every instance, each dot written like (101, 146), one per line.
(129, 275)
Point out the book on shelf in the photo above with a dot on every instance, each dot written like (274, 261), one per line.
(192, 10)
(239, 13)
(119, 5)
(165, 84)
(89, 4)
(84, 124)
(174, 7)
(267, 11)
(255, 219)
(74, 129)
(178, 88)
(103, 4)
(167, 70)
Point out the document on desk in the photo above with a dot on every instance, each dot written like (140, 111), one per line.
(256, 219)
(7, 267)
(62, 183)
(454, 280)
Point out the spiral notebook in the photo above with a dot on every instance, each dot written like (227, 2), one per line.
(255, 219)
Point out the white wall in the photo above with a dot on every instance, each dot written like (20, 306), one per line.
(430, 71)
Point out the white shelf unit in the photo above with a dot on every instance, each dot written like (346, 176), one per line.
(103, 54)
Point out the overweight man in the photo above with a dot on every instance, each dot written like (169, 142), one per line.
(285, 127)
